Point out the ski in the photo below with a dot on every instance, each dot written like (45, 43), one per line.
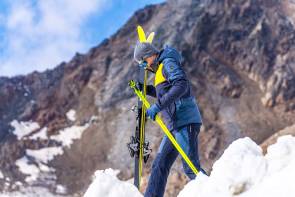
(138, 147)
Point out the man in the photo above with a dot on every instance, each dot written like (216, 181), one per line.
(179, 110)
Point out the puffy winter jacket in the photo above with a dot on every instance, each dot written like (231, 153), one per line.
(173, 91)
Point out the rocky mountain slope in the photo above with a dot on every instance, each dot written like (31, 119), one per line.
(238, 54)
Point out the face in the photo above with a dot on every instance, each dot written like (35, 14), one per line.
(150, 60)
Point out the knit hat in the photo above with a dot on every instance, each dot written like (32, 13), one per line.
(143, 50)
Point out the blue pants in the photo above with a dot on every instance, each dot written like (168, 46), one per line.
(187, 138)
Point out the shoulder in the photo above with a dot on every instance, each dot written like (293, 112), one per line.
(172, 70)
(170, 64)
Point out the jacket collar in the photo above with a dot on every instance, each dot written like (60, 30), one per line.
(157, 62)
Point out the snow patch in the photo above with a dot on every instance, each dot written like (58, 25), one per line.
(41, 159)
(71, 115)
(29, 169)
(31, 192)
(68, 135)
(60, 189)
(22, 129)
(1, 175)
(243, 170)
(42, 134)
(107, 184)
(45, 155)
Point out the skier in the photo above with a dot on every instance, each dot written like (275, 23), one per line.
(179, 110)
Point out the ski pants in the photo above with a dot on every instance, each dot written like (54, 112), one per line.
(187, 138)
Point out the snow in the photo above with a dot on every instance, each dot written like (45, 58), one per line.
(60, 189)
(22, 129)
(41, 158)
(35, 162)
(31, 192)
(45, 155)
(71, 115)
(29, 169)
(241, 171)
(67, 135)
(107, 184)
(42, 134)
(1, 175)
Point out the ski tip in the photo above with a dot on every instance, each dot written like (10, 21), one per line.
(150, 37)
(141, 34)
(132, 84)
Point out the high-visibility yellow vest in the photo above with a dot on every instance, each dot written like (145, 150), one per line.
(159, 78)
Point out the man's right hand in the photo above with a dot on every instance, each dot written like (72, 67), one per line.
(139, 85)
(152, 111)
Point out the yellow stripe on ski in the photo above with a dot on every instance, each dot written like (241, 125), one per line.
(150, 37)
(141, 34)
(142, 128)
(132, 84)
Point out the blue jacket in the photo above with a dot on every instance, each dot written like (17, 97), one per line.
(174, 95)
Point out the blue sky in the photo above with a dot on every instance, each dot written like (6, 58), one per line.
(39, 34)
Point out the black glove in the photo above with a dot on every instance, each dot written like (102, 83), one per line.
(139, 85)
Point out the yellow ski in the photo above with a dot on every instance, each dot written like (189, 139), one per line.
(142, 128)
(138, 147)
(141, 35)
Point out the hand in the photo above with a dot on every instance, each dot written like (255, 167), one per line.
(152, 111)
(139, 85)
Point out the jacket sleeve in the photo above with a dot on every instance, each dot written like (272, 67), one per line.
(179, 83)
(151, 91)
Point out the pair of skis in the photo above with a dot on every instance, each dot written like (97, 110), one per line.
(138, 147)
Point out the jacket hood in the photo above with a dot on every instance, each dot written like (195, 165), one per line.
(169, 52)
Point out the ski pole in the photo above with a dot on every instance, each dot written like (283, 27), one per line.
(158, 119)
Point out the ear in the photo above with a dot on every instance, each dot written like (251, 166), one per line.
(141, 34)
(150, 37)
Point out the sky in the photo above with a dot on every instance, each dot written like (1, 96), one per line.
(40, 34)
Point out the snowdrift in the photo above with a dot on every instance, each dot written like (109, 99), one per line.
(106, 184)
(244, 171)
(241, 171)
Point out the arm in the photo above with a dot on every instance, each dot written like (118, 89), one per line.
(151, 91)
(176, 77)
